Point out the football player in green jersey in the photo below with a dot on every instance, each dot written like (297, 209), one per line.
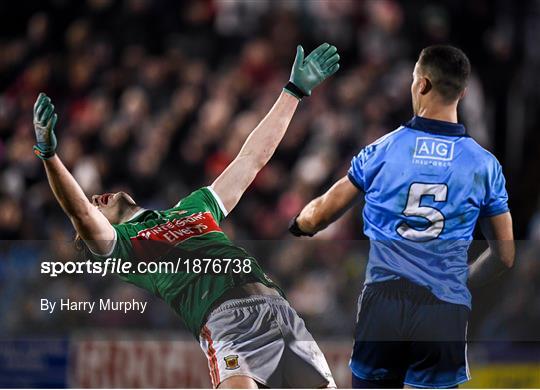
(250, 334)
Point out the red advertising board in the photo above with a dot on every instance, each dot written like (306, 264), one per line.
(131, 360)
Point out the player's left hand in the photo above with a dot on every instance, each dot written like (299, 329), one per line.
(44, 121)
(308, 73)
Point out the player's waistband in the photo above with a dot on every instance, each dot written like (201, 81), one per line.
(404, 286)
(253, 300)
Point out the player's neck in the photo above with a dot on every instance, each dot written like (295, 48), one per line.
(440, 113)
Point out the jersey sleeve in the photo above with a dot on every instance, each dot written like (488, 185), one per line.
(496, 200)
(358, 171)
(205, 199)
(217, 207)
(121, 246)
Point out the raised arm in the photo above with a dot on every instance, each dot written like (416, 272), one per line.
(89, 223)
(499, 257)
(264, 139)
(327, 208)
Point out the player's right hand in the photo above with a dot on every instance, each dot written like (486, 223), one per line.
(44, 121)
(308, 73)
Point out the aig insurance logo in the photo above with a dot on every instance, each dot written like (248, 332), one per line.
(433, 149)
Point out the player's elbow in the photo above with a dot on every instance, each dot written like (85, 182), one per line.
(508, 260)
(251, 162)
(313, 219)
(309, 225)
(507, 255)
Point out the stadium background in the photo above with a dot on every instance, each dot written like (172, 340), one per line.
(156, 97)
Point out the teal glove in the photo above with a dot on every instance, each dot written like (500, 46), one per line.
(44, 122)
(308, 73)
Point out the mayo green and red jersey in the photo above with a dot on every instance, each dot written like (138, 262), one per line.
(189, 230)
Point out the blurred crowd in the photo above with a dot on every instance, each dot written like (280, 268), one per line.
(156, 97)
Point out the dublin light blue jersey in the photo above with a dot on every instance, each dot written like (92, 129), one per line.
(426, 184)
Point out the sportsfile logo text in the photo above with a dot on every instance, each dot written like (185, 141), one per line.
(433, 151)
(118, 266)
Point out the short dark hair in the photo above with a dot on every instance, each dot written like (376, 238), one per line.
(448, 69)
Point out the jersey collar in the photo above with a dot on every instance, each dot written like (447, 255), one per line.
(140, 215)
(436, 127)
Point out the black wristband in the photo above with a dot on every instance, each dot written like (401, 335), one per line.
(295, 230)
(294, 90)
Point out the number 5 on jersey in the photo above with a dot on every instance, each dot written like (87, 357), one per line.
(413, 208)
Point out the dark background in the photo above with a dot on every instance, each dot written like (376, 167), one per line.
(156, 97)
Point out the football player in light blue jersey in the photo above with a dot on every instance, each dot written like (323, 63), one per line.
(425, 186)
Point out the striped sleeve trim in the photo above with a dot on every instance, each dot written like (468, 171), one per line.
(110, 250)
(218, 200)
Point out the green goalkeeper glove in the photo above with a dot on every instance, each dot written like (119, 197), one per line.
(44, 121)
(308, 73)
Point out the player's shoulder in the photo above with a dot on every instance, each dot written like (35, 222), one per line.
(202, 200)
(389, 137)
(195, 197)
(385, 140)
(481, 155)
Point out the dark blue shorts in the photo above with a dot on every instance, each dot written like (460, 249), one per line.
(405, 335)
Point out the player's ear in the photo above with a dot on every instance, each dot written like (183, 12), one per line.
(463, 93)
(425, 86)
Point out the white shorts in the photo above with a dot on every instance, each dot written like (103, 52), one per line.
(263, 337)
